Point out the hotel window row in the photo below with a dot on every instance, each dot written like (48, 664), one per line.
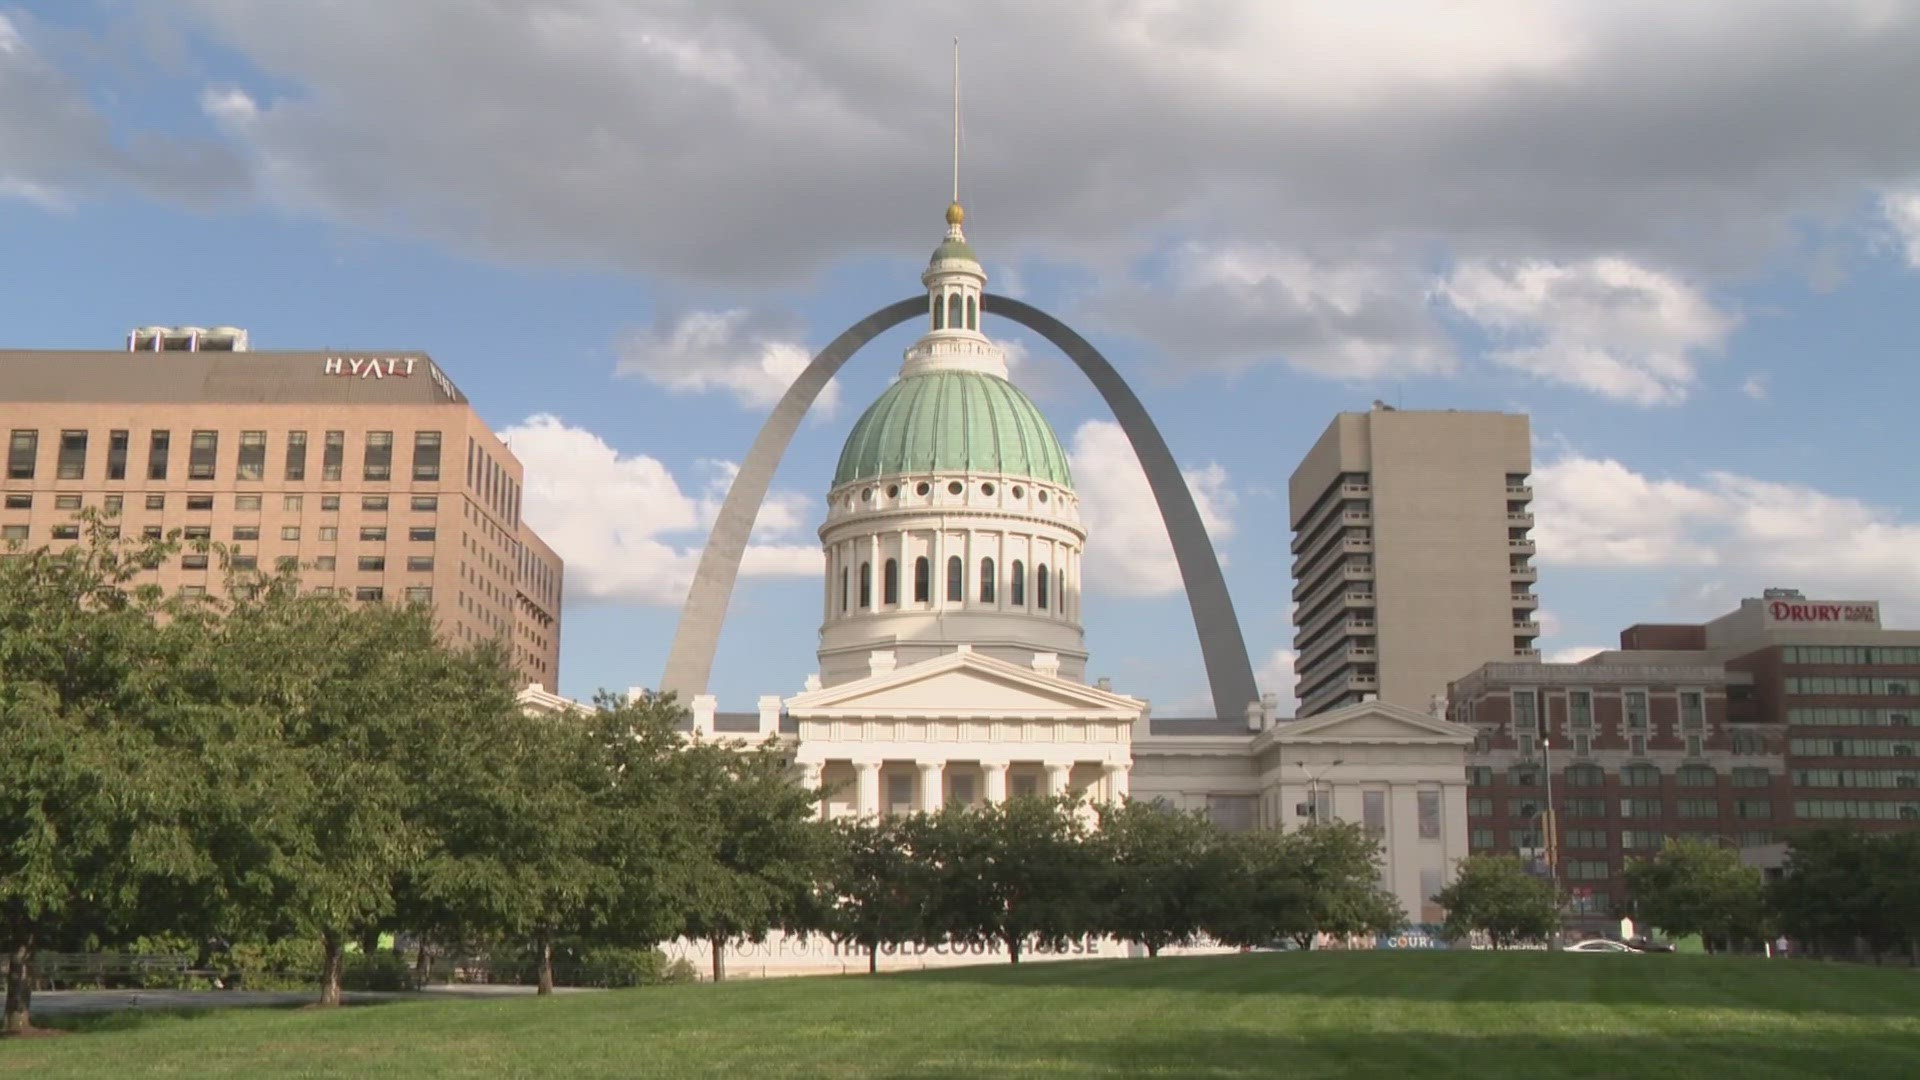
(203, 452)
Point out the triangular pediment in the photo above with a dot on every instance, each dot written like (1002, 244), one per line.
(1373, 721)
(963, 684)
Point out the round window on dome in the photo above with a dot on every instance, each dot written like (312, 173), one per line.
(955, 488)
(893, 491)
(1043, 496)
(1018, 491)
(986, 489)
(866, 494)
(923, 488)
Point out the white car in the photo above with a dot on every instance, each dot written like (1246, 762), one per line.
(1599, 945)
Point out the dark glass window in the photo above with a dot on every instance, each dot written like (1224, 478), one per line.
(202, 454)
(333, 454)
(1017, 585)
(986, 581)
(922, 580)
(866, 585)
(890, 583)
(72, 463)
(296, 455)
(956, 579)
(422, 534)
(379, 461)
(117, 442)
(23, 453)
(253, 455)
(157, 446)
(1040, 588)
(844, 579)
(426, 455)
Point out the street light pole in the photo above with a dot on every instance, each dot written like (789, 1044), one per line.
(1313, 787)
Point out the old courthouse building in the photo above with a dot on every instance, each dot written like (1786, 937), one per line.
(372, 472)
(1782, 714)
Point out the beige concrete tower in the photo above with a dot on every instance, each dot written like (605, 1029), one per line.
(1412, 554)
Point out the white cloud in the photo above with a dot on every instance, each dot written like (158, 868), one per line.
(1128, 552)
(724, 141)
(1229, 306)
(750, 357)
(1902, 209)
(1755, 387)
(1607, 325)
(625, 527)
(1275, 676)
(1745, 533)
(229, 106)
(1574, 654)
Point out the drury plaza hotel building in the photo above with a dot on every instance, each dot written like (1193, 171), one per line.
(370, 471)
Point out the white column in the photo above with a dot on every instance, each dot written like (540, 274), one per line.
(996, 780)
(932, 775)
(1117, 782)
(866, 788)
(1057, 777)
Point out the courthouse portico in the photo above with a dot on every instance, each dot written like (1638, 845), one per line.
(964, 728)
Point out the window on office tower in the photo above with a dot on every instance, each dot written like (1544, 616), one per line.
(378, 464)
(253, 455)
(202, 454)
(426, 455)
(23, 452)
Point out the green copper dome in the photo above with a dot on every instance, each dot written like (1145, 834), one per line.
(953, 421)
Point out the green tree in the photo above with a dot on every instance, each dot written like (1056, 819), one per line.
(339, 708)
(650, 839)
(1697, 887)
(1259, 895)
(513, 829)
(1497, 896)
(1009, 873)
(1158, 866)
(757, 857)
(1845, 891)
(92, 806)
(1339, 864)
(874, 888)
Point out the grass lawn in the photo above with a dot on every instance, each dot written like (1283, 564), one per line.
(1408, 1016)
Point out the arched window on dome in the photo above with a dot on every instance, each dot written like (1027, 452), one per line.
(956, 580)
(973, 315)
(866, 585)
(890, 583)
(934, 300)
(922, 580)
(953, 311)
(1040, 587)
(843, 588)
(986, 581)
(1064, 604)
(1017, 584)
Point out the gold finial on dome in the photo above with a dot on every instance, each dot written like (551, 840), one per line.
(955, 215)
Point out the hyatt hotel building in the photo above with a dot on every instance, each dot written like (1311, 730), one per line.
(369, 471)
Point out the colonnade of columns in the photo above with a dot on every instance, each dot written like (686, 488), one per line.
(930, 788)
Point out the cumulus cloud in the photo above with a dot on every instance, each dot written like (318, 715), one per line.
(1608, 325)
(753, 358)
(625, 526)
(1128, 552)
(1275, 676)
(728, 140)
(1902, 208)
(54, 143)
(1229, 306)
(1574, 654)
(1730, 535)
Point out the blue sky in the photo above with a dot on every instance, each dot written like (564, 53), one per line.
(1684, 241)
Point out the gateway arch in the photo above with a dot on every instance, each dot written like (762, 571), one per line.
(1222, 648)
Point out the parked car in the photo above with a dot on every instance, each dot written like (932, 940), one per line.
(1641, 944)
(1599, 945)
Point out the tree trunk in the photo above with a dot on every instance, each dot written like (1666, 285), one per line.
(1013, 948)
(719, 959)
(19, 1015)
(369, 942)
(543, 945)
(873, 957)
(421, 964)
(1153, 950)
(332, 967)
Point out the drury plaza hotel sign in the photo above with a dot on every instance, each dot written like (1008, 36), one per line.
(1816, 612)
